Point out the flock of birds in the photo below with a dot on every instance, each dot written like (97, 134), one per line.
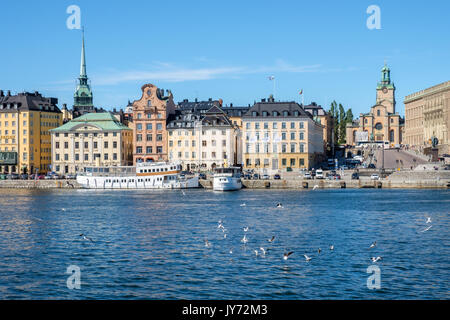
(263, 251)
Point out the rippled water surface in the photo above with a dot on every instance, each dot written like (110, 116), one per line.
(151, 245)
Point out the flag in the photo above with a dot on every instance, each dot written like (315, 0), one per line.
(271, 78)
(300, 92)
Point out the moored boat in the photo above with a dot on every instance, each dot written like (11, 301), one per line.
(153, 175)
(227, 179)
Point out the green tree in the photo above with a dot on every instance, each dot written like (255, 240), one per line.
(349, 116)
(341, 124)
(334, 113)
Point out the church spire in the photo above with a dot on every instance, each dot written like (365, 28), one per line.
(83, 74)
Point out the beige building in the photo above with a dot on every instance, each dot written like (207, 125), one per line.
(326, 120)
(280, 135)
(382, 123)
(25, 121)
(202, 141)
(91, 140)
(427, 115)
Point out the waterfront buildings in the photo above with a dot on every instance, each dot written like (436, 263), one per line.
(280, 135)
(326, 120)
(25, 121)
(202, 139)
(381, 123)
(91, 140)
(150, 114)
(427, 115)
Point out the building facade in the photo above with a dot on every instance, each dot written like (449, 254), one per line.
(382, 123)
(150, 114)
(280, 135)
(201, 141)
(25, 142)
(427, 115)
(326, 120)
(91, 140)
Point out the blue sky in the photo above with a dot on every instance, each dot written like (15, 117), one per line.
(226, 49)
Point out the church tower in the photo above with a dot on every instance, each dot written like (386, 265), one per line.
(386, 90)
(82, 98)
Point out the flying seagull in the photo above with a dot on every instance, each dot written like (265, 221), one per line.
(245, 229)
(375, 259)
(271, 239)
(373, 245)
(244, 239)
(429, 220)
(286, 255)
(263, 251)
(426, 229)
(307, 258)
(256, 252)
(86, 237)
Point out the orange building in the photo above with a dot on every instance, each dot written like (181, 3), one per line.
(150, 115)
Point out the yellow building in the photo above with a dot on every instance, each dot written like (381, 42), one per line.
(280, 135)
(25, 142)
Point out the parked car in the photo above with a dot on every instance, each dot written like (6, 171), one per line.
(337, 177)
(71, 176)
(48, 177)
(277, 177)
(24, 176)
(355, 176)
(256, 176)
(372, 166)
(12, 176)
(55, 176)
(319, 174)
(265, 176)
(247, 176)
(2, 176)
(307, 176)
(375, 177)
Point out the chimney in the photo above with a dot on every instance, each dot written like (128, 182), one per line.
(9, 93)
(1, 93)
(263, 100)
(231, 105)
(210, 99)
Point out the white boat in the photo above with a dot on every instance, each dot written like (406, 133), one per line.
(227, 179)
(148, 175)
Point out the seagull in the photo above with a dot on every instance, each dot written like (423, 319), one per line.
(244, 239)
(256, 252)
(263, 251)
(207, 244)
(224, 235)
(307, 258)
(220, 226)
(63, 209)
(279, 205)
(86, 237)
(231, 251)
(286, 255)
(245, 229)
(319, 250)
(182, 191)
(427, 229)
(331, 247)
(373, 245)
(429, 220)
(271, 239)
(315, 187)
(243, 205)
(375, 259)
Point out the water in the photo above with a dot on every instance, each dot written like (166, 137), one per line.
(150, 244)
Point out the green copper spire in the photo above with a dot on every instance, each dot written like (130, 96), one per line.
(385, 78)
(83, 98)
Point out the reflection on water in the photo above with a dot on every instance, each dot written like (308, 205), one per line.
(151, 244)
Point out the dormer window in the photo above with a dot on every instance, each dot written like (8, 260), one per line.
(274, 113)
(254, 113)
(265, 114)
(296, 113)
(285, 113)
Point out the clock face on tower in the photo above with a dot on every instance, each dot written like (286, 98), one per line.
(385, 90)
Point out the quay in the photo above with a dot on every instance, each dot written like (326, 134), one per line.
(396, 180)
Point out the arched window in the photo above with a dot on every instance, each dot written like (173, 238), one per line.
(285, 113)
(391, 135)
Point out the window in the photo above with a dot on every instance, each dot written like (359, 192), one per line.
(86, 145)
(57, 157)
(224, 143)
(86, 157)
(292, 162)
(66, 157)
(302, 136)
(105, 156)
(66, 145)
(159, 126)
(247, 126)
(283, 125)
(213, 155)
(292, 147)
(283, 162)
(204, 143)
(77, 145)
(138, 149)
(302, 148)
(149, 137)
(266, 125)
(114, 156)
(292, 125)
(149, 126)
(149, 150)
(159, 137)
(275, 125)
(115, 144)
(77, 157)
(378, 112)
(283, 148)
(213, 143)
(106, 144)
(57, 145)
(379, 126)
(292, 135)
(283, 136)
(139, 126)
(139, 137)
(159, 149)
(256, 125)
(302, 125)
(302, 162)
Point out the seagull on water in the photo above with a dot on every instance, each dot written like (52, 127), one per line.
(224, 235)
(244, 239)
(373, 245)
(307, 258)
(256, 252)
(279, 205)
(63, 209)
(263, 251)
(207, 243)
(231, 251)
(429, 220)
(374, 260)
(182, 191)
(286, 255)
(86, 237)
(245, 229)
(243, 205)
(271, 239)
(332, 247)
